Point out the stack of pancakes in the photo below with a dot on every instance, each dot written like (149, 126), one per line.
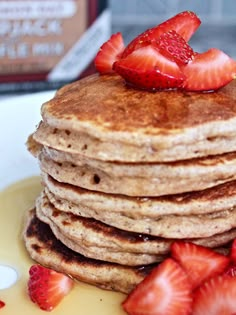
(126, 172)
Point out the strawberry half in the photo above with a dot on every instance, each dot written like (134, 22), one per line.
(215, 297)
(146, 68)
(166, 290)
(184, 23)
(2, 304)
(233, 251)
(200, 263)
(174, 47)
(47, 287)
(109, 52)
(208, 71)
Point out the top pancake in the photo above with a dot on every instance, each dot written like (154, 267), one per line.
(125, 124)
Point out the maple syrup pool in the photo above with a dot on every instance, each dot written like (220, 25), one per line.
(15, 262)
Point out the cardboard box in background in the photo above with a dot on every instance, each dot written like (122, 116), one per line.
(45, 44)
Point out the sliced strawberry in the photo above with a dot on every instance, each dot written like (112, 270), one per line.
(210, 70)
(146, 68)
(215, 297)
(184, 23)
(109, 52)
(47, 287)
(199, 262)
(174, 47)
(2, 304)
(166, 290)
(233, 251)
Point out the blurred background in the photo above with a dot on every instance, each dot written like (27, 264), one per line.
(218, 17)
(45, 44)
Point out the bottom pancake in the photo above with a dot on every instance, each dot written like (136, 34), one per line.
(47, 250)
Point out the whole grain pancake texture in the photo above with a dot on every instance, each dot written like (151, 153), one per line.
(126, 172)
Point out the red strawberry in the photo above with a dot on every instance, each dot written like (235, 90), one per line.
(199, 262)
(146, 68)
(2, 304)
(109, 52)
(233, 251)
(209, 71)
(47, 287)
(166, 290)
(174, 47)
(184, 23)
(215, 297)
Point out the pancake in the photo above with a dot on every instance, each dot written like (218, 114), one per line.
(218, 198)
(169, 226)
(77, 241)
(33, 146)
(93, 232)
(90, 232)
(144, 180)
(100, 116)
(45, 249)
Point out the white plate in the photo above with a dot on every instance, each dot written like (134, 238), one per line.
(19, 116)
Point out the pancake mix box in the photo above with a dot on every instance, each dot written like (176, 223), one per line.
(44, 44)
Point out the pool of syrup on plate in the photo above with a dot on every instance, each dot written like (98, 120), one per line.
(15, 262)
